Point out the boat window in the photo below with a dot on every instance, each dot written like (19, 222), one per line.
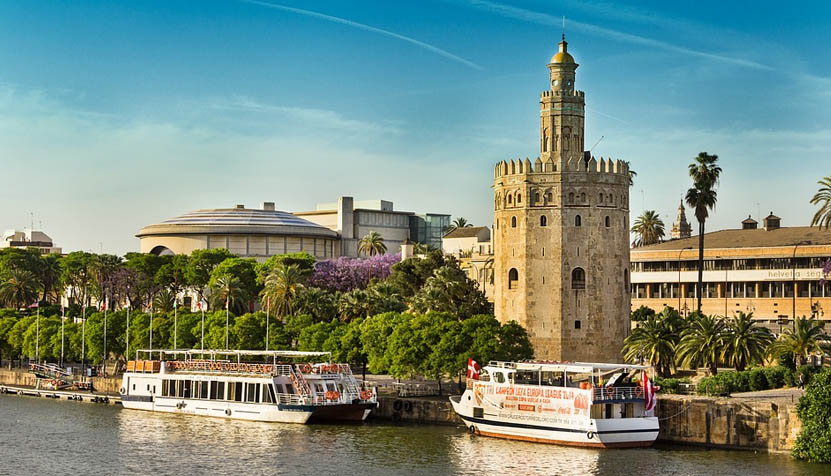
(554, 379)
(253, 394)
(478, 412)
(289, 389)
(331, 386)
(213, 390)
(499, 377)
(220, 390)
(238, 389)
(319, 388)
(279, 388)
(165, 386)
(180, 389)
(203, 393)
(268, 394)
(187, 391)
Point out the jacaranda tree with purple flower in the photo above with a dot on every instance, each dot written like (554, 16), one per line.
(345, 274)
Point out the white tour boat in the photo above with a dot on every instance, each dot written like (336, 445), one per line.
(227, 384)
(576, 404)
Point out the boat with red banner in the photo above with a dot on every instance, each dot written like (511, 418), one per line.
(568, 403)
(269, 386)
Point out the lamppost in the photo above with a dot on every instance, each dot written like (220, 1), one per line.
(678, 261)
(793, 281)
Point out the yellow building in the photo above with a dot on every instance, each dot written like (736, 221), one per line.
(773, 272)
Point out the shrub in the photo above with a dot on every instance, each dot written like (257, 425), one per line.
(808, 370)
(670, 385)
(757, 380)
(814, 410)
(776, 376)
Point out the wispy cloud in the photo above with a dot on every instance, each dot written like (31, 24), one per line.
(324, 118)
(361, 26)
(551, 20)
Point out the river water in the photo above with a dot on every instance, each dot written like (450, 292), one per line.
(42, 436)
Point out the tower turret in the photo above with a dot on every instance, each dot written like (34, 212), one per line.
(562, 111)
(681, 228)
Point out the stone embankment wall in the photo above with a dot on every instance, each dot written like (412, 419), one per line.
(416, 410)
(770, 425)
(21, 378)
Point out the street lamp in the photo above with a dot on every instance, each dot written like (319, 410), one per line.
(793, 281)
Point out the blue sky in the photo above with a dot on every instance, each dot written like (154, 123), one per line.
(115, 115)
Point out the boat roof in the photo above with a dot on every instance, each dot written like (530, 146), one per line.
(237, 353)
(564, 366)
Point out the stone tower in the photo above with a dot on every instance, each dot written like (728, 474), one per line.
(561, 234)
(681, 228)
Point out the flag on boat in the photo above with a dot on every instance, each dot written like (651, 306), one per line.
(648, 393)
(473, 369)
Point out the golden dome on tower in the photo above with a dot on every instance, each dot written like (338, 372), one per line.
(563, 56)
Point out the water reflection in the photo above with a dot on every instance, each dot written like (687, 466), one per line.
(44, 436)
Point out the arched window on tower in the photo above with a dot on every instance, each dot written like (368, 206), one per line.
(536, 197)
(513, 278)
(578, 279)
(513, 222)
(570, 197)
(600, 198)
(510, 198)
(583, 197)
(608, 221)
(548, 197)
(578, 221)
(518, 198)
(543, 220)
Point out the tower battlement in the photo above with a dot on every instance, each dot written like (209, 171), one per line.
(574, 164)
(562, 93)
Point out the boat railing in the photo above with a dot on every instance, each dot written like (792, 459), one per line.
(607, 394)
(51, 370)
(290, 399)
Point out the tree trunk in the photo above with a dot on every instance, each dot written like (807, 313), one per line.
(700, 262)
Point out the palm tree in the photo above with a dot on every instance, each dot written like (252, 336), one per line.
(372, 244)
(807, 337)
(702, 343)
(460, 222)
(19, 289)
(654, 341)
(163, 302)
(649, 227)
(282, 288)
(228, 289)
(746, 343)
(823, 198)
(702, 198)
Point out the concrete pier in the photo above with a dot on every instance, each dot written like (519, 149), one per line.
(60, 394)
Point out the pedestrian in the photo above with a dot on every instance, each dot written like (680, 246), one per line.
(801, 381)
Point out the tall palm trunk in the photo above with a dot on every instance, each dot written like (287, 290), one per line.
(700, 263)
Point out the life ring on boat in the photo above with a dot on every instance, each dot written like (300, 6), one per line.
(366, 395)
(305, 368)
(121, 391)
(396, 405)
(335, 395)
(590, 435)
(228, 412)
(408, 406)
(609, 391)
(471, 429)
(328, 395)
(333, 368)
(638, 392)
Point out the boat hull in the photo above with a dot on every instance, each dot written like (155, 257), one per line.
(356, 412)
(220, 409)
(620, 433)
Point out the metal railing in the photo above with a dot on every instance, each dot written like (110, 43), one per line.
(604, 394)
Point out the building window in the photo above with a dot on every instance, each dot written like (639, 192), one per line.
(509, 199)
(578, 279)
(608, 221)
(519, 198)
(571, 197)
(578, 221)
(576, 324)
(548, 197)
(600, 198)
(583, 197)
(543, 221)
(536, 197)
(513, 277)
(513, 222)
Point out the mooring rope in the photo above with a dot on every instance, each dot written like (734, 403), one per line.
(687, 407)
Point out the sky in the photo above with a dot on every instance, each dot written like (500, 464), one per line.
(115, 115)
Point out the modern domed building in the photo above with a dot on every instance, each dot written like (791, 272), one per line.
(246, 232)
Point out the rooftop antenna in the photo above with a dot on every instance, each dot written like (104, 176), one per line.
(595, 144)
(564, 28)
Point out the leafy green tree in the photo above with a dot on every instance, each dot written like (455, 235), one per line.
(407, 347)
(200, 266)
(655, 341)
(145, 266)
(244, 269)
(303, 260)
(351, 349)
(702, 197)
(116, 325)
(293, 326)
(746, 343)
(641, 314)
(383, 297)
(702, 342)
(649, 228)
(814, 410)
(375, 335)
(410, 275)
(6, 324)
(102, 268)
(25, 259)
(450, 290)
(372, 244)
(282, 289)
(249, 331)
(19, 288)
(322, 305)
(514, 343)
(172, 275)
(822, 217)
(353, 305)
(16, 335)
(806, 338)
(322, 337)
